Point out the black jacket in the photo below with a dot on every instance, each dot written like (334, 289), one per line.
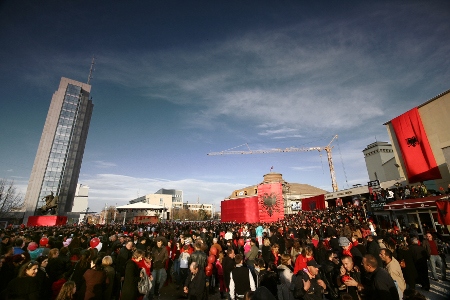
(199, 257)
(196, 286)
(130, 282)
(379, 285)
(329, 272)
(315, 292)
(228, 265)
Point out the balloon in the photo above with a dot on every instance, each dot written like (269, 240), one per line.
(32, 246)
(208, 273)
(211, 259)
(213, 251)
(241, 242)
(43, 241)
(94, 242)
(209, 267)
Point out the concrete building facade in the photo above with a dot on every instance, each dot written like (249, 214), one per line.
(380, 162)
(80, 203)
(177, 196)
(60, 152)
(208, 208)
(164, 200)
(435, 116)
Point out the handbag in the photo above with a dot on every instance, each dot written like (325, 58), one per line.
(402, 264)
(73, 271)
(144, 284)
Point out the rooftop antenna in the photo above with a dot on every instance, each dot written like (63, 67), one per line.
(91, 71)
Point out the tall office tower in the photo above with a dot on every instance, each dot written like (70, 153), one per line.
(58, 160)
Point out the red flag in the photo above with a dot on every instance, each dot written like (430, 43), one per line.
(443, 212)
(416, 151)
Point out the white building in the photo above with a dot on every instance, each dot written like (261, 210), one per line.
(164, 200)
(80, 202)
(208, 208)
(380, 162)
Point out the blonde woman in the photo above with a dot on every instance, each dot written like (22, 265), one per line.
(295, 250)
(56, 266)
(266, 251)
(110, 274)
(285, 274)
(67, 291)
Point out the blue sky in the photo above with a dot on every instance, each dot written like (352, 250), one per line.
(175, 80)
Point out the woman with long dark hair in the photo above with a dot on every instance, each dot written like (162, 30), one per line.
(25, 286)
(80, 268)
(42, 277)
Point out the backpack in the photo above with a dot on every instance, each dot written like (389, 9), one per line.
(296, 286)
(144, 285)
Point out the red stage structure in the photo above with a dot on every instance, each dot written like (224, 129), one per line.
(46, 220)
(316, 202)
(267, 206)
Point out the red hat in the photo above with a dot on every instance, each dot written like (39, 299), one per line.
(43, 242)
(32, 246)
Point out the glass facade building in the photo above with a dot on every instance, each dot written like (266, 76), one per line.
(60, 152)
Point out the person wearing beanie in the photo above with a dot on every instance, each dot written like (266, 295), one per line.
(34, 250)
(349, 250)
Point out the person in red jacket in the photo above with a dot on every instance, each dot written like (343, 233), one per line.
(302, 259)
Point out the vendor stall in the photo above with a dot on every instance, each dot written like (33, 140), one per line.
(422, 212)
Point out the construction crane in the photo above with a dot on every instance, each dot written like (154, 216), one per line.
(327, 149)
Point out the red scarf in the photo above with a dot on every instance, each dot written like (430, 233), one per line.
(347, 251)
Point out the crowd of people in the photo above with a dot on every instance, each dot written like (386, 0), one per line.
(335, 253)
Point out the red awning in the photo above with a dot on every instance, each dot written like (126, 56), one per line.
(413, 203)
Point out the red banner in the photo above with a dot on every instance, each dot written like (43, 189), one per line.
(267, 206)
(270, 202)
(416, 151)
(240, 210)
(316, 202)
(46, 220)
(443, 212)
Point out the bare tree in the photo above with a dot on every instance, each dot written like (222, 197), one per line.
(10, 199)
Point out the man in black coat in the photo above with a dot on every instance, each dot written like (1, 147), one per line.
(374, 249)
(420, 257)
(329, 271)
(195, 286)
(198, 256)
(124, 255)
(228, 265)
(376, 283)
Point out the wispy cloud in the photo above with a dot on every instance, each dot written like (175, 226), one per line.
(280, 131)
(309, 168)
(104, 164)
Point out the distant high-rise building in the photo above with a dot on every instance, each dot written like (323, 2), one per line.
(58, 160)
